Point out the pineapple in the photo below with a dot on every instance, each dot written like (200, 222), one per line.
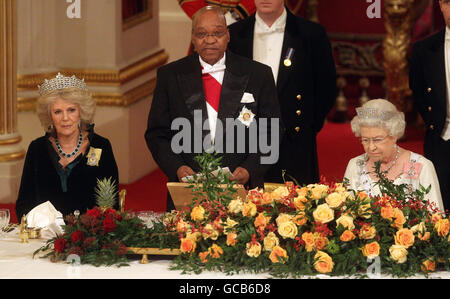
(106, 193)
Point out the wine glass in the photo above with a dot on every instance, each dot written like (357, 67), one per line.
(4, 220)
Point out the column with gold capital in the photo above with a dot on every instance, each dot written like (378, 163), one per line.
(11, 153)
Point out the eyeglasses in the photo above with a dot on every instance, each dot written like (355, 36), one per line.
(216, 34)
(376, 140)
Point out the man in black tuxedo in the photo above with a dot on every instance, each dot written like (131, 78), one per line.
(300, 56)
(429, 80)
(208, 90)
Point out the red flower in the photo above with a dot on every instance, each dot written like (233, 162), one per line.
(89, 241)
(108, 224)
(77, 236)
(94, 213)
(112, 214)
(60, 245)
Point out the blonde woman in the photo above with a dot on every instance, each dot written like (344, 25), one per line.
(379, 125)
(63, 165)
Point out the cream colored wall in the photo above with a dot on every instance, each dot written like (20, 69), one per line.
(174, 29)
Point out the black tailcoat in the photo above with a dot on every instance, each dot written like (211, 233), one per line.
(427, 80)
(179, 92)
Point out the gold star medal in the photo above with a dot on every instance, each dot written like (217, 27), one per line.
(93, 157)
(288, 57)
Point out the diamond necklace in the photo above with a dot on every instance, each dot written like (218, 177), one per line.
(75, 151)
(395, 160)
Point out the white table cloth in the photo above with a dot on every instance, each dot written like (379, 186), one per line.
(16, 261)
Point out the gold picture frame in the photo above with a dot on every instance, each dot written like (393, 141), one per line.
(135, 12)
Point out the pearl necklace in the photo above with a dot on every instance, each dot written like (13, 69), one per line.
(75, 151)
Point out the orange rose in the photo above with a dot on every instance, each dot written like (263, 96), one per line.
(267, 198)
(347, 236)
(308, 238)
(261, 221)
(249, 209)
(424, 237)
(442, 227)
(203, 256)
(302, 192)
(367, 232)
(436, 217)
(399, 219)
(387, 213)
(319, 241)
(428, 266)
(215, 251)
(323, 262)
(404, 237)
(300, 219)
(299, 203)
(198, 213)
(231, 239)
(278, 254)
(187, 245)
(371, 250)
(362, 196)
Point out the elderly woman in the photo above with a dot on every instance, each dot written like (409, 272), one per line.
(63, 166)
(379, 125)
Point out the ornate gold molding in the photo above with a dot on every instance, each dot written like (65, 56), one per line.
(128, 98)
(99, 77)
(12, 156)
(103, 78)
(9, 141)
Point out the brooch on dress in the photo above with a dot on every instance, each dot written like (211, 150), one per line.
(93, 157)
(412, 170)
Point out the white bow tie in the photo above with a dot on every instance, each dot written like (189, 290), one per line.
(276, 29)
(213, 69)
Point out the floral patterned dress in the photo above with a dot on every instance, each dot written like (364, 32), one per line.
(417, 171)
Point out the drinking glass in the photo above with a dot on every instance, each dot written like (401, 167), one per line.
(4, 220)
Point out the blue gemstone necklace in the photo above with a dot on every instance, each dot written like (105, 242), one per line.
(75, 151)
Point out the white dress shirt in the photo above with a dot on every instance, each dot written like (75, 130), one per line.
(268, 42)
(217, 71)
(446, 131)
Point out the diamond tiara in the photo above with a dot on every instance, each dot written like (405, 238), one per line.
(374, 113)
(61, 82)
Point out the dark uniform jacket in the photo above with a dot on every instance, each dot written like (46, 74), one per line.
(306, 91)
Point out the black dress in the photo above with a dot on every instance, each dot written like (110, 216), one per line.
(70, 189)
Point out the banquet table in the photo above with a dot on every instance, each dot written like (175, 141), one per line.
(17, 262)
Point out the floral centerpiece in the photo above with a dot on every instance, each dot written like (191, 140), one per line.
(318, 228)
(289, 231)
(102, 235)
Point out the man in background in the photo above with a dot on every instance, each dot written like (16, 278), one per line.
(429, 80)
(299, 54)
(234, 10)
